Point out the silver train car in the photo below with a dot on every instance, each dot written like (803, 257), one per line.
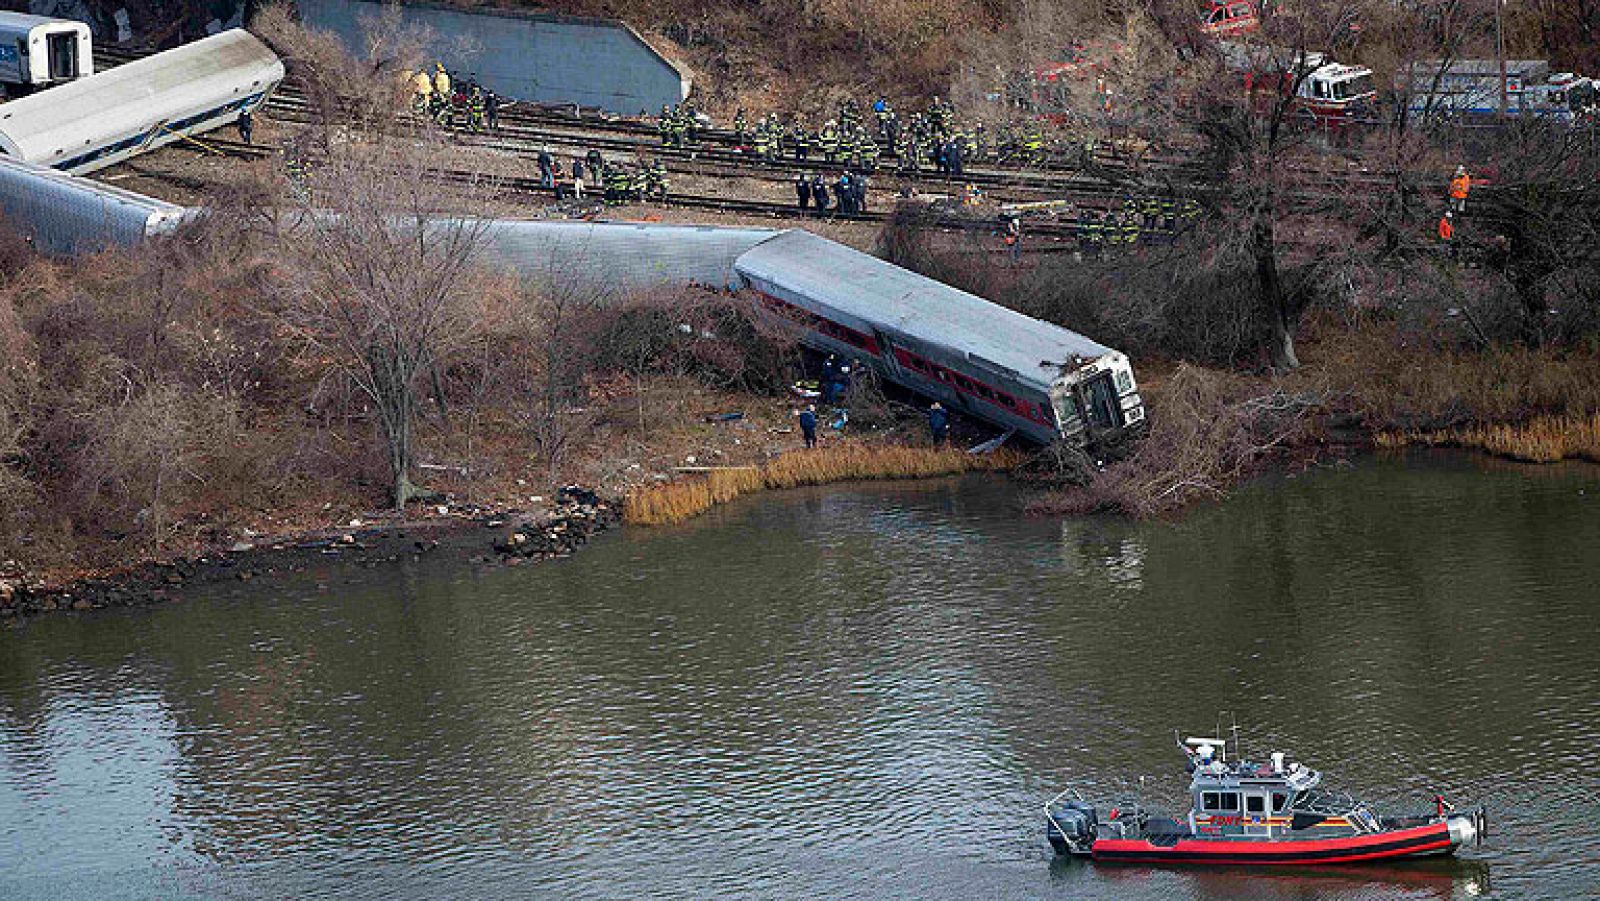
(974, 356)
(38, 51)
(101, 120)
(64, 214)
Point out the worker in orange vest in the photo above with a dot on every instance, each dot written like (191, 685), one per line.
(1459, 186)
(1447, 232)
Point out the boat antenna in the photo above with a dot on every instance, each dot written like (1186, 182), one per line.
(1238, 752)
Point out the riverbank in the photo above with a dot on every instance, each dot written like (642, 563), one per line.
(1361, 387)
(509, 536)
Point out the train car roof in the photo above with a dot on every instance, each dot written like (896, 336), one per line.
(619, 257)
(65, 213)
(872, 290)
(54, 122)
(26, 22)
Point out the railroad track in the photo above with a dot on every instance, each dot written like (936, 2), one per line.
(1052, 232)
(527, 127)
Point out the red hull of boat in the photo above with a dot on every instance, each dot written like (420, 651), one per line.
(1420, 841)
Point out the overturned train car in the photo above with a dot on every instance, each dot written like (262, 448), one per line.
(64, 215)
(975, 356)
(107, 117)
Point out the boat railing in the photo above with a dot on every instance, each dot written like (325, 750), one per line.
(1338, 804)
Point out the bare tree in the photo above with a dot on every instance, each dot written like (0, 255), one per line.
(1250, 138)
(383, 278)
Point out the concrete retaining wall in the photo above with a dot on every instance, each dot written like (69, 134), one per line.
(543, 58)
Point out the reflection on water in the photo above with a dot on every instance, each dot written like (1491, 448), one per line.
(851, 692)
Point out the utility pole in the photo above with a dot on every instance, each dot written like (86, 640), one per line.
(1500, 56)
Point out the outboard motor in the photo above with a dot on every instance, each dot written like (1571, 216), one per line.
(1072, 827)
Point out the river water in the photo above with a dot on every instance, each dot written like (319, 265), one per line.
(862, 691)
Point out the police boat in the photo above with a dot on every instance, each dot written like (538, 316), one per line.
(1249, 813)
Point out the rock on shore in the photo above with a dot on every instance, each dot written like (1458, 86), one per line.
(578, 516)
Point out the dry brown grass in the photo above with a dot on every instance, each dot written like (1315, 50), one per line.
(1545, 439)
(685, 498)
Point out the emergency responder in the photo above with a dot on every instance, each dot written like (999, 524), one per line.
(885, 114)
(808, 425)
(1447, 232)
(798, 142)
(828, 141)
(1460, 185)
(547, 177)
(1150, 208)
(1113, 231)
(1169, 215)
(655, 180)
(847, 144)
(819, 193)
(441, 82)
(691, 121)
(1033, 147)
(682, 126)
(476, 115)
(596, 165)
(1013, 238)
(664, 125)
(617, 185)
(906, 154)
(421, 91)
(1081, 230)
(741, 128)
(870, 153)
(577, 179)
(1130, 230)
(938, 423)
(491, 109)
(846, 194)
(247, 126)
(802, 191)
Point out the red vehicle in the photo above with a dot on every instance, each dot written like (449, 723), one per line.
(1325, 92)
(1256, 813)
(1230, 18)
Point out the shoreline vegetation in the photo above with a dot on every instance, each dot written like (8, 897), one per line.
(1543, 439)
(686, 497)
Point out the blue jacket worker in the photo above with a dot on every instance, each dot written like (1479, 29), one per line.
(808, 425)
(938, 423)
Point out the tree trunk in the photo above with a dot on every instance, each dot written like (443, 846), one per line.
(1274, 305)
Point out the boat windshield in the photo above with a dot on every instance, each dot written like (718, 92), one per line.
(1320, 801)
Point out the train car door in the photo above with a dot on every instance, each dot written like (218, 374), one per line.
(62, 50)
(1100, 402)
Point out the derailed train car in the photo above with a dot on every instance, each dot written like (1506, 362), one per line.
(975, 356)
(97, 121)
(63, 214)
(38, 51)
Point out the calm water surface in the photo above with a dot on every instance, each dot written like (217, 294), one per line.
(850, 692)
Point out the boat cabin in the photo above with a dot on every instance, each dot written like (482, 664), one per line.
(1242, 799)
